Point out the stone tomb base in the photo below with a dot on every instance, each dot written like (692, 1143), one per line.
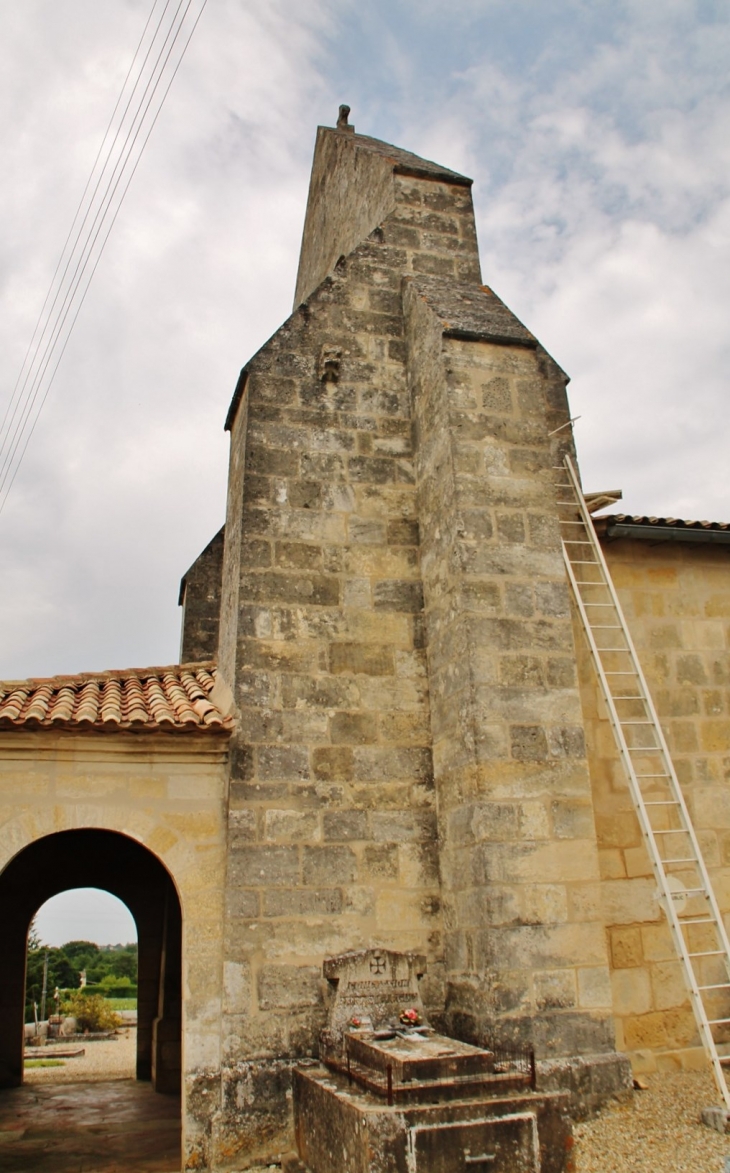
(341, 1128)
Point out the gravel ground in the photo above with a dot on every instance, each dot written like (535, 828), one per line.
(659, 1132)
(109, 1059)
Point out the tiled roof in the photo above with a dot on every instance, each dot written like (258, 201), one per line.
(625, 524)
(169, 700)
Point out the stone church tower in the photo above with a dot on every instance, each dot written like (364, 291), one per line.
(408, 768)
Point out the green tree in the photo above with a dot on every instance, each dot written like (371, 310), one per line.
(61, 973)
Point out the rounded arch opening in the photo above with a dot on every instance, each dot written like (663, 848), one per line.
(109, 860)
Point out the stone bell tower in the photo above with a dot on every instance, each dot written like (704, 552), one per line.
(409, 766)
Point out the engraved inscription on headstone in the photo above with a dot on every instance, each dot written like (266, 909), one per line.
(373, 986)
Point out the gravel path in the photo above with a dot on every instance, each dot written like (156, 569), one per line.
(111, 1059)
(659, 1132)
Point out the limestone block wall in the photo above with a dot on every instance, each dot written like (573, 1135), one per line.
(168, 794)
(200, 599)
(333, 841)
(399, 783)
(525, 949)
(358, 184)
(676, 597)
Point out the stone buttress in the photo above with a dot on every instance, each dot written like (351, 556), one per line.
(409, 767)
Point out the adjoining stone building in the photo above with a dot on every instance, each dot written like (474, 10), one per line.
(401, 744)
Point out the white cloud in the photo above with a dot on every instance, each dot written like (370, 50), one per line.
(124, 481)
(603, 205)
(597, 136)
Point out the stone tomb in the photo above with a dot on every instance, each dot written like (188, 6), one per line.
(391, 1095)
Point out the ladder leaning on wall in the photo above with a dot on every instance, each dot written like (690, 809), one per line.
(686, 894)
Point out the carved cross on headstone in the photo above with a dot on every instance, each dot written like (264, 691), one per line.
(372, 987)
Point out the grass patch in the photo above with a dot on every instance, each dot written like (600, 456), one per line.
(44, 1063)
(122, 1003)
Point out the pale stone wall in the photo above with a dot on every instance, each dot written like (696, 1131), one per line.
(167, 793)
(200, 599)
(525, 949)
(332, 822)
(374, 455)
(676, 597)
(357, 186)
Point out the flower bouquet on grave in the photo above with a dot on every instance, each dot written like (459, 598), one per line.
(410, 1017)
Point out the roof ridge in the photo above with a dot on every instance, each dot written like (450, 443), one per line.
(110, 674)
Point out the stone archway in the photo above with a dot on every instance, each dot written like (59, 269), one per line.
(93, 857)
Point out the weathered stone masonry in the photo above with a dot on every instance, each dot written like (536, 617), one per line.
(391, 752)
(409, 767)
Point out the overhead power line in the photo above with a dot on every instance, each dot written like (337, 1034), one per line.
(146, 86)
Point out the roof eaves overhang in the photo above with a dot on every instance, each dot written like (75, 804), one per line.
(664, 533)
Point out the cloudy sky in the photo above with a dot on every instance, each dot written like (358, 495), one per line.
(598, 135)
(85, 914)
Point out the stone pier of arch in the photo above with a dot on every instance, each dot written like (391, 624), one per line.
(142, 817)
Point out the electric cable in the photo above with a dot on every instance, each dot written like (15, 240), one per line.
(86, 251)
(6, 479)
(77, 213)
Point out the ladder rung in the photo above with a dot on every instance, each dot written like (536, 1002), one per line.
(567, 482)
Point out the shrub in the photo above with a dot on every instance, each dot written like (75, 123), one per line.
(111, 990)
(91, 1011)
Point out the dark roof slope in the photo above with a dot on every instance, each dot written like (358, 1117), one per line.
(472, 311)
(676, 529)
(407, 163)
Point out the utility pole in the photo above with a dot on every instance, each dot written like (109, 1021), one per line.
(45, 988)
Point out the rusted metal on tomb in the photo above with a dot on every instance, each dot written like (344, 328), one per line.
(393, 1093)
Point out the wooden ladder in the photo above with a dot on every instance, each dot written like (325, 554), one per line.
(686, 894)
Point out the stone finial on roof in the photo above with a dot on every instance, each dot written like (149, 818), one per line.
(342, 123)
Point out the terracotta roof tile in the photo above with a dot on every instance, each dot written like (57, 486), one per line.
(638, 525)
(174, 700)
(643, 519)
